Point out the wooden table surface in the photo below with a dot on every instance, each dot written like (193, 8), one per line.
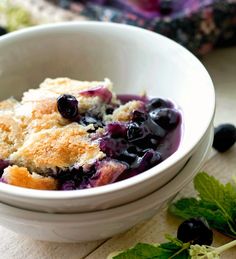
(221, 65)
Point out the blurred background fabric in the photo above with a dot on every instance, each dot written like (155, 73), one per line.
(199, 25)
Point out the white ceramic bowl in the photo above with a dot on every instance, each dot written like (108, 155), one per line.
(83, 227)
(135, 60)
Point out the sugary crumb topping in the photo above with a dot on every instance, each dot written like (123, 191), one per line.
(11, 136)
(57, 148)
(124, 112)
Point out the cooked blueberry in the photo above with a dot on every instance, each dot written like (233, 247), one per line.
(3, 165)
(127, 157)
(154, 142)
(67, 105)
(134, 149)
(157, 103)
(224, 137)
(3, 31)
(155, 129)
(166, 7)
(148, 160)
(195, 231)
(117, 130)
(68, 186)
(139, 116)
(136, 132)
(167, 118)
(109, 110)
(112, 147)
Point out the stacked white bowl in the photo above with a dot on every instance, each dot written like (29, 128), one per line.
(135, 60)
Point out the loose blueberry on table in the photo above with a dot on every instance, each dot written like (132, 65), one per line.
(195, 231)
(224, 137)
(3, 31)
(129, 133)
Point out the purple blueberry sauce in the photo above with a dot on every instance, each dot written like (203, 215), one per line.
(99, 91)
(124, 98)
(152, 135)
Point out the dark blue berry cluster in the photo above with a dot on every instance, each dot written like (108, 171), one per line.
(130, 147)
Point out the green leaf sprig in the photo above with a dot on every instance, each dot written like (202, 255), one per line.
(215, 202)
(174, 249)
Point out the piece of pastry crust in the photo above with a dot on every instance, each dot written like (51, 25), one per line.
(20, 176)
(11, 136)
(57, 148)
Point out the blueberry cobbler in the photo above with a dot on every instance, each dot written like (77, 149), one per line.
(69, 135)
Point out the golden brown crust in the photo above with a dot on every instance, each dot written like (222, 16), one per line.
(124, 112)
(11, 136)
(40, 115)
(57, 147)
(20, 176)
(52, 88)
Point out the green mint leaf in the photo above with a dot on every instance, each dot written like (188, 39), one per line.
(223, 197)
(216, 202)
(173, 241)
(147, 251)
(212, 191)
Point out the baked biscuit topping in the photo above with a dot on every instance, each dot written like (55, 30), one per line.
(70, 134)
(11, 136)
(57, 148)
(20, 176)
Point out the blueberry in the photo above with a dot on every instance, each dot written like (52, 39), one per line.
(166, 7)
(109, 110)
(127, 157)
(155, 129)
(67, 105)
(148, 160)
(224, 137)
(139, 116)
(195, 231)
(112, 147)
(68, 186)
(117, 130)
(136, 132)
(3, 165)
(157, 103)
(134, 149)
(167, 118)
(3, 31)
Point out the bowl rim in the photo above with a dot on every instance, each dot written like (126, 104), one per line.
(132, 208)
(170, 162)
